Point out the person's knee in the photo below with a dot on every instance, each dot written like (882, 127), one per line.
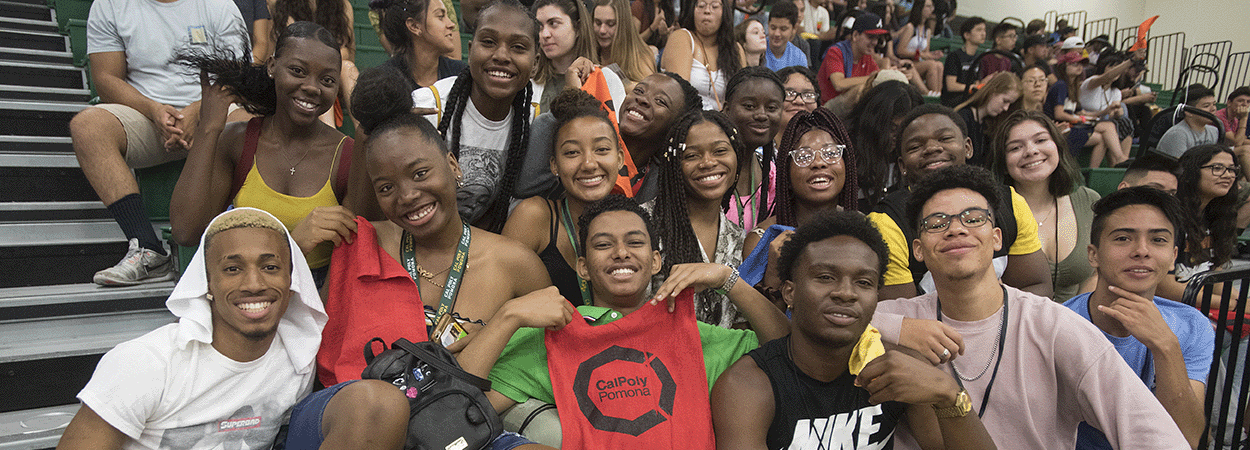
(96, 124)
(367, 403)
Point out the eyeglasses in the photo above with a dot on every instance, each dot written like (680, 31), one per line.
(1218, 170)
(971, 218)
(1035, 81)
(829, 153)
(808, 97)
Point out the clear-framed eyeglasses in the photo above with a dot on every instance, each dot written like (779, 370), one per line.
(829, 153)
(971, 218)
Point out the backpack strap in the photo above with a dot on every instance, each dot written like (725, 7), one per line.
(345, 166)
(247, 158)
(432, 359)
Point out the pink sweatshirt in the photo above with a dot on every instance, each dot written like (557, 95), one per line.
(1057, 370)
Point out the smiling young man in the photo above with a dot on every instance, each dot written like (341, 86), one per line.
(1033, 369)
(782, 26)
(1167, 343)
(812, 389)
(932, 137)
(848, 63)
(227, 373)
(625, 371)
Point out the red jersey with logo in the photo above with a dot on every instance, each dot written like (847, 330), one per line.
(636, 383)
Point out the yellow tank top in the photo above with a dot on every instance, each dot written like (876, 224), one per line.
(288, 209)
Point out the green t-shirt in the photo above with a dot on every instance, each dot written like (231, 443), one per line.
(521, 371)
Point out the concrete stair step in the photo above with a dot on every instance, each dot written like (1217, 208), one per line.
(52, 211)
(18, 54)
(37, 118)
(37, 151)
(68, 300)
(44, 93)
(35, 183)
(14, 23)
(25, 9)
(33, 40)
(42, 75)
(34, 429)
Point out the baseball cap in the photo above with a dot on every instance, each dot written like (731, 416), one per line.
(1073, 42)
(1072, 57)
(870, 23)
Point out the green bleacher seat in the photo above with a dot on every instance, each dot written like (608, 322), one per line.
(1103, 180)
(157, 185)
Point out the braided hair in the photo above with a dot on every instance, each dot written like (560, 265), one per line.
(732, 87)
(803, 122)
(672, 207)
(250, 83)
(518, 134)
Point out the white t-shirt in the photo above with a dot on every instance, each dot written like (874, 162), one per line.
(815, 18)
(1096, 99)
(169, 395)
(483, 146)
(151, 33)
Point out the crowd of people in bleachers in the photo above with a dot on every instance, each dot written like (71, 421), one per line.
(799, 227)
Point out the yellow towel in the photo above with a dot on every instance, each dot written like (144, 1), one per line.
(868, 348)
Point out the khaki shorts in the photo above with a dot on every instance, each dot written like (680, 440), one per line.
(144, 145)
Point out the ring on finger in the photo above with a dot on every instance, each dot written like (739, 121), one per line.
(946, 353)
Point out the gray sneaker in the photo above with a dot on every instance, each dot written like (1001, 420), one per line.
(139, 266)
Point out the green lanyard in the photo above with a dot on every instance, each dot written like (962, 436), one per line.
(568, 228)
(453, 277)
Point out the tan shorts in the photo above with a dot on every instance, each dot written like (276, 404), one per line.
(144, 145)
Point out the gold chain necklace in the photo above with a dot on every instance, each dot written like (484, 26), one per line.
(430, 276)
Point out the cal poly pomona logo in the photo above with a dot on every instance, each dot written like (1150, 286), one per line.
(624, 390)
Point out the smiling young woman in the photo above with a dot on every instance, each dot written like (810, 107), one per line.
(484, 113)
(698, 171)
(1031, 155)
(291, 163)
(586, 157)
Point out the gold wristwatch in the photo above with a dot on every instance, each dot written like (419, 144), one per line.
(963, 406)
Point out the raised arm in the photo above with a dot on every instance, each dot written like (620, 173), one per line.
(1180, 396)
(768, 322)
(204, 185)
(743, 387)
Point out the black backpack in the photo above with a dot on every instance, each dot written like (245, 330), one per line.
(448, 408)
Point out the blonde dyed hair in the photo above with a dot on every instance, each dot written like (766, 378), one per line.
(243, 218)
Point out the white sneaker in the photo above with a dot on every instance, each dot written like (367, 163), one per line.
(139, 266)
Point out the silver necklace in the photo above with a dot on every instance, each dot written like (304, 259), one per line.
(988, 361)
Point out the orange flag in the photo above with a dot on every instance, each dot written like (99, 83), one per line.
(1142, 31)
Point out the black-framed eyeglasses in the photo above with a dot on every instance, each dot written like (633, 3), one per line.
(829, 153)
(1218, 170)
(971, 218)
(808, 97)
